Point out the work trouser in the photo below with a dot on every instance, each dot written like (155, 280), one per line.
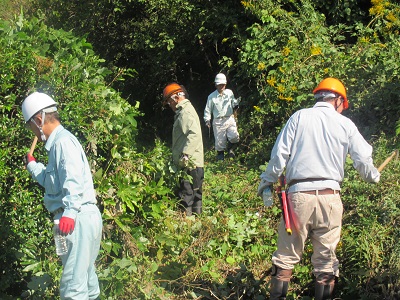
(225, 130)
(318, 217)
(191, 193)
(79, 279)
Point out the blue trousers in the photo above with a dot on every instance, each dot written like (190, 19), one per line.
(79, 279)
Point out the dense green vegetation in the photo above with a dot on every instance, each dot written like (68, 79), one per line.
(106, 62)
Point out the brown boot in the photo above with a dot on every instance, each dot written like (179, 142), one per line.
(279, 283)
(324, 284)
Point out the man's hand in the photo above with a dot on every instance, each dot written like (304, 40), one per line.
(28, 158)
(263, 184)
(208, 124)
(66, 225)
(184, 161)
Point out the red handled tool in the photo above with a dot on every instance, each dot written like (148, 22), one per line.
(284, 203)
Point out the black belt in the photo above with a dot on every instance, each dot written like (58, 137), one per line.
(57, 211)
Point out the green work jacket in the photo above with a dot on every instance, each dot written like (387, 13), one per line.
(186, 134)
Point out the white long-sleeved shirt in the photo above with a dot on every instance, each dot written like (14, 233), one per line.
(67, 179)
(220, 105)
(313, 145)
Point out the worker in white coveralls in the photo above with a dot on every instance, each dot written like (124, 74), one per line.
(313, 148)
(69, 196)
(220, 107)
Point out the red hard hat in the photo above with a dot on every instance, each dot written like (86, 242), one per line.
(171, 89)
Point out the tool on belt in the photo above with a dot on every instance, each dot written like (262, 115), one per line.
(280, 190)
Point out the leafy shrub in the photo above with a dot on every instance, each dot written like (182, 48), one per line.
(293, 47)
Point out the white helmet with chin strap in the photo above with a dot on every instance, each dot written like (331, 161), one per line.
(35, 103)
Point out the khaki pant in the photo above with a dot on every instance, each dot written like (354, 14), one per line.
(225, 129)
(318, 217)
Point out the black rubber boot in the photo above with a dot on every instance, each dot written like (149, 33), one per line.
(220, 155)
(324, 285)
(279, 283)
(230, 148)
(197, 207)
(186, 209)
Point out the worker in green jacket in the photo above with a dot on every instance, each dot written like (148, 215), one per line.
(187, 147)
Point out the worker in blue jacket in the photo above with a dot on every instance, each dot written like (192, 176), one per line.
(69, 196)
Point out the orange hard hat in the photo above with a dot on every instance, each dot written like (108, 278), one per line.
(333, 85)
(171, 89)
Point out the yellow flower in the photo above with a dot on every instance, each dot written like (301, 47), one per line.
(391, 17)
(271, 81)
(280, 96)
(326, 70)
(316, 50)
(377, 8)
(246, 4)
(280, 88)
(256, 108)
(285, 51)
(261, 66)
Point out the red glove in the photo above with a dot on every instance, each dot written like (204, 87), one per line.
(66, 225)
(29, 158)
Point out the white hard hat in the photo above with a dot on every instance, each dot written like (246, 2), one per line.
(220, 79)
(37, 102)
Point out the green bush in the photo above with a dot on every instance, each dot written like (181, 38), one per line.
(293, 47)
(36, 57)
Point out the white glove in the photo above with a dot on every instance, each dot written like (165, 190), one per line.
(263, 184)
(184, 161)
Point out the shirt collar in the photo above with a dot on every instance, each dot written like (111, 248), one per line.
(52, 137)
(181, 104)
(324, 104)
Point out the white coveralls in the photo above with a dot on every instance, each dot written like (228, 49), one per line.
(313, 147)
(69, 192)
(220, 108)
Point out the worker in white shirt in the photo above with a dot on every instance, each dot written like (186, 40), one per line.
(312, 149)
(220, 108)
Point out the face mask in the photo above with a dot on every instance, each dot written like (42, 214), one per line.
(42, 135)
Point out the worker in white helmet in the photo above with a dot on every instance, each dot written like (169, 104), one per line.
(220, 107)
(69, 196)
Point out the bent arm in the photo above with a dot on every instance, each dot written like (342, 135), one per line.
(361, 154)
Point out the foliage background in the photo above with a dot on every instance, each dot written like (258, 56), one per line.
(106, 62)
